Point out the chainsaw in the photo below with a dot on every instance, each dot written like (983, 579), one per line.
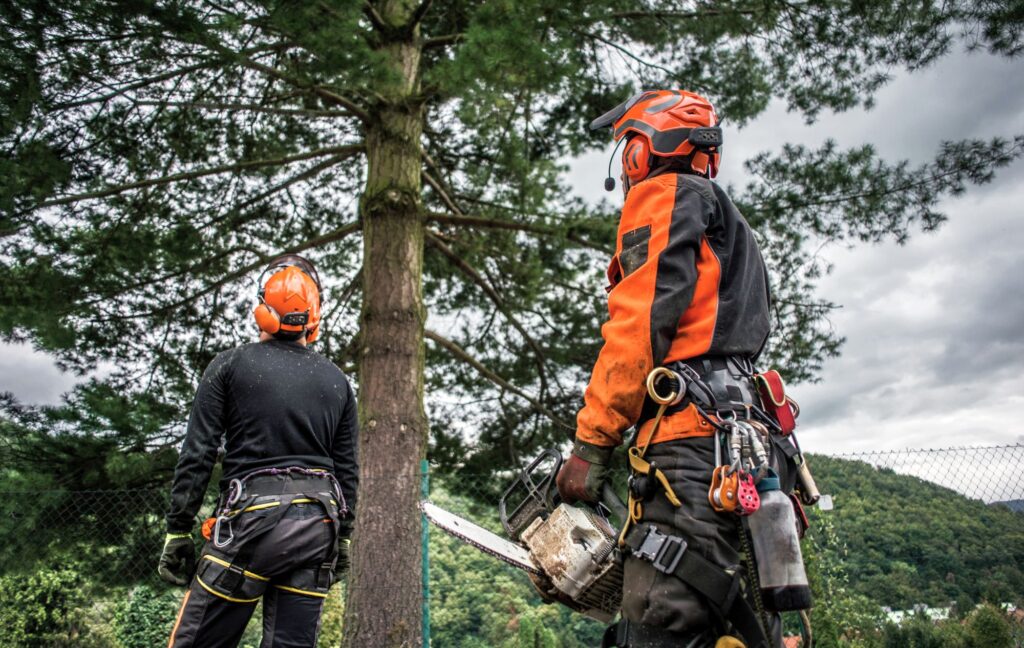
(570, 552)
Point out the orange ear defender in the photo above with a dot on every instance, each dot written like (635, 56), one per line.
(636, 160)
(290, 300)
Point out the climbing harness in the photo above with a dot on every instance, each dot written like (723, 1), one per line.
(750, 414)
(234, 537)
(236, 491)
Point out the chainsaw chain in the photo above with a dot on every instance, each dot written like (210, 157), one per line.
(489, 551)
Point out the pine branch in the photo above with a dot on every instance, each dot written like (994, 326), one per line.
(210, 105)
(419, 13)
(627, 53)
(493, 223)
(320, 91)
(497, 299)
(442, 41)
(445, 198)
(376, 19)
(346, 151)
(460, 354)
(142, 83)
(330, 237)
(688, 15)
(309, 173)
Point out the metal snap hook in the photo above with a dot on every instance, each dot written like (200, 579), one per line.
(216, 534)
(234, 492)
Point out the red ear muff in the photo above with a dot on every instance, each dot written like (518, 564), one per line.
(267, 318)
(636, 160)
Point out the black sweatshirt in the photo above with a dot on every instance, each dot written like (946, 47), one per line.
(280, 404)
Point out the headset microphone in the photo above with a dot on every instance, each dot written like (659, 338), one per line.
(609, 182)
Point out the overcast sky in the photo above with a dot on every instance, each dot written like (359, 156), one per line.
(935, 328)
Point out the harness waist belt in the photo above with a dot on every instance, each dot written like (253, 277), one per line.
(716, 383)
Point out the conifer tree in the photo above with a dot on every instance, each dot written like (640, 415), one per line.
(158, 152)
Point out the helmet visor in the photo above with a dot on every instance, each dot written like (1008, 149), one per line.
(616, 113)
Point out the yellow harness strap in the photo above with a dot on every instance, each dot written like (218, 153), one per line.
(637, 464)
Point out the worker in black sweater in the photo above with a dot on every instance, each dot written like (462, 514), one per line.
(287, 418)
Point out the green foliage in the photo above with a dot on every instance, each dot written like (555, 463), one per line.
(841, 616)
(44, 609)
(988, 628)
(145, 617)
(910, 542)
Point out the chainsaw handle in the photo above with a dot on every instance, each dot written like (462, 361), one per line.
(614, 503)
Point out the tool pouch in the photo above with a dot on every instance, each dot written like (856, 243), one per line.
(774, 400)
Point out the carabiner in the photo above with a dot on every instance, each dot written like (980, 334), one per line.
(215, 537)
(235, 488)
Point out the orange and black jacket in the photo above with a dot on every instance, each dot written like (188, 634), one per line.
(687, 280)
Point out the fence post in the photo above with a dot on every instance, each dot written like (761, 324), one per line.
(425, 492)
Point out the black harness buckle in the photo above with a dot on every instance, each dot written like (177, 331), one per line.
(231, 578)
(663, 551)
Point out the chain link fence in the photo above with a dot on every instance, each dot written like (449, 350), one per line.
(989, 473)
(115, 538)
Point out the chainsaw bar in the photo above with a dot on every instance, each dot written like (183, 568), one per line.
(479, 537)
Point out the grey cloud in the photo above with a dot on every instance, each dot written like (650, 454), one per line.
(32, 376)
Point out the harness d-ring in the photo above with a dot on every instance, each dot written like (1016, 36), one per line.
(674, 397)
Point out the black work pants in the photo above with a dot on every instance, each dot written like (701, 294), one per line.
(660, 600)
(283, 571)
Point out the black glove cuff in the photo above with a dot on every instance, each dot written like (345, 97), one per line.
(595, 454)
(345, 526)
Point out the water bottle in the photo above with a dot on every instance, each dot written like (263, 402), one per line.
(780, 565)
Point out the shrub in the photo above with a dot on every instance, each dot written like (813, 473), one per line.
(144, 619)
(44, 609)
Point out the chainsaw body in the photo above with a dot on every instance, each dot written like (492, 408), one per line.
(572, 547)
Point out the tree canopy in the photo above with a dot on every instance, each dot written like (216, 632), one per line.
(157, 153)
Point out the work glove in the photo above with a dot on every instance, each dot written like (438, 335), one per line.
(178, 560)
(342, 564)
(584, 474)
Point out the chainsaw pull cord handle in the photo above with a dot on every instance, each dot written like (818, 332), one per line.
(637, 463)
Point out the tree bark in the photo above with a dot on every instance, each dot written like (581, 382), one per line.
(385, 597)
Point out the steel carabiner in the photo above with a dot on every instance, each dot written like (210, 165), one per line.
(215, 537)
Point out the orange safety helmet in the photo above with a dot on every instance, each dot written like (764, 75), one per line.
(667, 124)
(289, 301)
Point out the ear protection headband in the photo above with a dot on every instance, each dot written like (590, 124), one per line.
(268, 319)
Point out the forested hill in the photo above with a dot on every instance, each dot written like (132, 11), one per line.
(910, 541)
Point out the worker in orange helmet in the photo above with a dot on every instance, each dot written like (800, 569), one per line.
(287, 418)
(689, 291)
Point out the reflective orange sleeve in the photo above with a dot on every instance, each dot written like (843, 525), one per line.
(660, 237)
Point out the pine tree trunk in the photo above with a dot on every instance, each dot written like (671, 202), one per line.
(384, 604)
